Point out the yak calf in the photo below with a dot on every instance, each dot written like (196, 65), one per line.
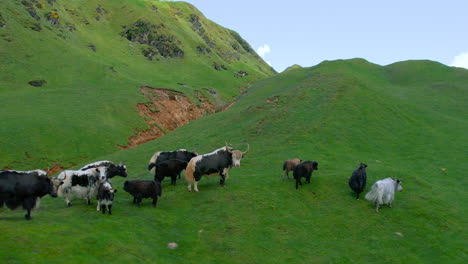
(140, 189)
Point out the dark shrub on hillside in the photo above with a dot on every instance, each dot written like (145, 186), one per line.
(241, 41)
(203, 49)
(196, 24)
(32, 12)
(219, 67)
(144, 32)
(2, 21)
(92, 47)
(53, 17)
(37, 83)
(36, 27)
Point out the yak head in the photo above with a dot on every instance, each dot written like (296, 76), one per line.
(398, 186)
(120, 170)
(237, 155)
(56, 182)
(102, 173)
(52, 185)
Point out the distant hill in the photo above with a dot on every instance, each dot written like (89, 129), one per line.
(73, 74)
(293, 67)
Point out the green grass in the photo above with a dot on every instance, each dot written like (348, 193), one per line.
(399, 120)
(88, 105)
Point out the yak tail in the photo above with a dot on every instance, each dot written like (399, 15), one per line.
(151, 165)
(373, 194)
(189, 171)
(153, 160)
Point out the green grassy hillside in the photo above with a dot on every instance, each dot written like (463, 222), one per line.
(94, 56)
(406, 120)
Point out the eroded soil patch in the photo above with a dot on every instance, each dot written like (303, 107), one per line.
(166, 111)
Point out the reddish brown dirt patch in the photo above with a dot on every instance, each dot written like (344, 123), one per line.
(57, 168)
(166, 111)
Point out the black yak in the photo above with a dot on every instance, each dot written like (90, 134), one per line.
(357, 181)
(23, 188)
(304, 169)
(171, 168)
(140, 189)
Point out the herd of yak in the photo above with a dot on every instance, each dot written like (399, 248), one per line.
(25, 188)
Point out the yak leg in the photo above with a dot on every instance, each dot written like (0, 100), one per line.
(222, 180)
(155, 201)
(298, 182)
(109, 209)
(224, 175)
(173, 179)
(28, 204)
(195, 186)
(103, 208)
(98, 205)
(189, 187)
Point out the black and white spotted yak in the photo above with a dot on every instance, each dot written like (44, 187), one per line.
(181, 154)
(218, 162)
(81, 184)
(112, 169)
(24, 188)
(105, 197)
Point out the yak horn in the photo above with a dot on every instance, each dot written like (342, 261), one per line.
(227, 147)
(248, 148)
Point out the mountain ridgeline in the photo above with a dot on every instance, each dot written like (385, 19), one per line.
(73, 73)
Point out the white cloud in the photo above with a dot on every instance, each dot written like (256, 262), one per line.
(263, 50)
(460, 60)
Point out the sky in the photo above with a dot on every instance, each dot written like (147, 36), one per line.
(307, 32)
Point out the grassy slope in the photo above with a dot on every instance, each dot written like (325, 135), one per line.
(86, 108)
(398, 119)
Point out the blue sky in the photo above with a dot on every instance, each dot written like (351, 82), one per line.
(308, 32)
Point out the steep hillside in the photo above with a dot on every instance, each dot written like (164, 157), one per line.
(399, 120)
(72, 72)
